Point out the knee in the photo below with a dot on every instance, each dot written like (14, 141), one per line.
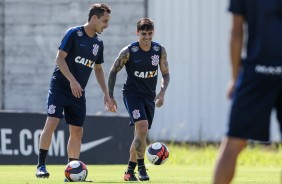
(76, 132)
(50, 126)
(142, 129)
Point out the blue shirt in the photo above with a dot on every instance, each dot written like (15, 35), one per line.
(264, 26)
(142, 70)
(83, 52)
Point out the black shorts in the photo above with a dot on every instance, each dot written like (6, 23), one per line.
(74, 109)
(140, 108)
(257, 94)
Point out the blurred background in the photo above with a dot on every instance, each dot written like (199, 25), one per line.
(195, 34)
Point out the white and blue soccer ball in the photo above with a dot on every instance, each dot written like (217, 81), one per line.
(76, 171)
(157, 153)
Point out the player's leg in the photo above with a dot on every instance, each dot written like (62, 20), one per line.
(75, 114)
(226, 163)
(47, 132)
(74, 142)
(249, 119)
(148, 110)
(135, 108)
(132, 154)
(132, 157)
(54, 111)
(141, 132)
(129, 174)
(44, 143)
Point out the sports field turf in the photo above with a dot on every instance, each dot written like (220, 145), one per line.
(187, 164)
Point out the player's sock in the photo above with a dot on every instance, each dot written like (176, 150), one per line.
(129, 175)
(42, 157)
(131, 166)
(72, 159)
(142, 171)
(140, 163)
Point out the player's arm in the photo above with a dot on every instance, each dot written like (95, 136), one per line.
(62, 64)
(118, 64)
(165, 78)
(236, 42)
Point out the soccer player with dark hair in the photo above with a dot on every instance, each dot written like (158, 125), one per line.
(256, 81)
(80, 51)
(141, 60)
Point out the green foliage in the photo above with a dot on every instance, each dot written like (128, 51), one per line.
(253, 155)
(261, 155)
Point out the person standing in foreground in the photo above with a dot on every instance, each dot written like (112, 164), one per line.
(256, 83)
(80, 52)
(141, 60)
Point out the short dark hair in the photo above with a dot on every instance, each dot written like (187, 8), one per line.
(145, 24)
(98, 10)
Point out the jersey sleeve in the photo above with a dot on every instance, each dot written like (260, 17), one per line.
(237, 7)
(100, 59)
(67, 41)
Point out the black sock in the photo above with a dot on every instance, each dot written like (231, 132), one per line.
(140, 163)
(42, 157)
(72, 159)
(131, 166)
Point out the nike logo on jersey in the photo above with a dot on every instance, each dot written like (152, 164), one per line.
(147, 74)
(137, 61)
(82, 45)
(92, 144)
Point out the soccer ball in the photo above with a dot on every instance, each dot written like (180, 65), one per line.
(76, 171)
(157, 153)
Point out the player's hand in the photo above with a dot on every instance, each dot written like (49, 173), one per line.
(159, 100)
(76, 89)
(110, 104)
(114, 105)
(230, 89)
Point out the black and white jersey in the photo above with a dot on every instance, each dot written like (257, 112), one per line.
(83, 52)
(142, 70)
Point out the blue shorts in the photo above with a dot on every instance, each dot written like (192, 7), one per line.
(140, 108)
(60, 102)
(258, 92)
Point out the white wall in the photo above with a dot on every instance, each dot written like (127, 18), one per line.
(33, 32)
(196, 36)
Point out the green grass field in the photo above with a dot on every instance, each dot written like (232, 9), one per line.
(187, 164)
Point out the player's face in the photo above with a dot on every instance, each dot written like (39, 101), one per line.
(145, 37)
(102, 22)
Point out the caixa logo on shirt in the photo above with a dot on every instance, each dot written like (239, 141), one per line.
(84, 61)
(146, 74)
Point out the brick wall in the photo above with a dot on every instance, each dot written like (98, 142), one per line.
(33, 31)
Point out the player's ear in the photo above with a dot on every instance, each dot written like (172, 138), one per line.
(137, 33)
(94, 18)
